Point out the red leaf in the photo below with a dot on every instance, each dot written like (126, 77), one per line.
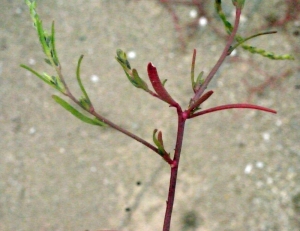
(158, 87)
(202, 99)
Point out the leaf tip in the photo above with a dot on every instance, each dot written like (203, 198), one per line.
(150, 65)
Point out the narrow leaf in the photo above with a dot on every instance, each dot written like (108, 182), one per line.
(160, 139)
(46, 78)
(267, 54)
(199, 81)
(164, 82)
(53, 50)
(159, 143)
(158, 86)
(241, 40)
(193, 69)
(48, 61)
(155, 140)
(131, 74)
(85, 103)
(43, 37)
(202, 99)
(139, 83)
(86, 97)
(122, 59)
(36, 73)
(76, 113)
(227, 24)
(51, 80)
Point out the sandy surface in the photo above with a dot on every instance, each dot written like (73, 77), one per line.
(240, 169)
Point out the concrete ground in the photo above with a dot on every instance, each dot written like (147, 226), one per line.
(240, 169)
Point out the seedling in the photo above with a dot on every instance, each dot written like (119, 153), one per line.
(90, 115)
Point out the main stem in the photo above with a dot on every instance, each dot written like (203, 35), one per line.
(174, 169)
(182, 116)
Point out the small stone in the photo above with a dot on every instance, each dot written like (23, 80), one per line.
(203, 21)
(131, 55)
(248, 169)
(94, 78)
(193, 13)
(278, 123)
(233, 53)
(32, 130)
(266, 136)
(259, 164)
(270, 180)
(32, 61)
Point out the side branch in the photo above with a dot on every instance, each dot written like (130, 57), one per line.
(232, 106)
(222, 57)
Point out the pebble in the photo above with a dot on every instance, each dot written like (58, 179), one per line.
(94, 78)
(203, 21)
(248, 169)
(131, 55)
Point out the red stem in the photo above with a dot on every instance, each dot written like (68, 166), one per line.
(232, 106)
(222, 57)
(174, 170)
(182, 116)
(113, 125)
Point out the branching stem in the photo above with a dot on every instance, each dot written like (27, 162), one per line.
(108, 122)
(222, 57)
(181, 125)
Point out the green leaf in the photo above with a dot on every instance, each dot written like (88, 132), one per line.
(227, 24)
(53, 47)
(131, 74)
(139, 83)
(240, 40)
(164, 82)
(85, 103)
(47, 41)
(193, 69)
(199, 81)
(158, 142)
(48, 62)
(76, 113)
(43, 37)
(85, 100)
(267, 54)
(122, 59)
(51, 80)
